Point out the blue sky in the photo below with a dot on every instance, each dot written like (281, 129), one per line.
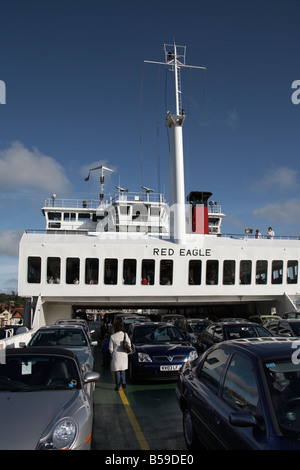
(79, 95)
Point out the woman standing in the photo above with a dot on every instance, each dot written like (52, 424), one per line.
(119, 362)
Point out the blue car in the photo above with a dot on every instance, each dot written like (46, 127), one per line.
(243, 394)
(159, 350)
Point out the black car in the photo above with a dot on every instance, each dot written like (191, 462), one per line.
(289, 327)
(192, 327)
(224, 331)
(159, 350)
(242, 395)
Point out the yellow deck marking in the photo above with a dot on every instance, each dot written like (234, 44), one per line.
(136, 427)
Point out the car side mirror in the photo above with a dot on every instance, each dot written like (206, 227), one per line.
(91, 377)
(242, 419)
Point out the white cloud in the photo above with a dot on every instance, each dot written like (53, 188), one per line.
(9, 243)
(23, 168)
(282, 179)
(287, 212)
(232, 119)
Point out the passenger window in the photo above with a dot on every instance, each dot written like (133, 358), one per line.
(261, 272)
(292, 272)
(218, 334)
(209, 333)
(211, 371)
(72, 273)
(148, 272)
(110, 271)
(195, 272)
(229, 272)
(129, 271)
(212, 272)
(166, 272)
(245, 271)
(240, 389)
(53, 270)
(277, 267)
(91, 271)
(34, 270)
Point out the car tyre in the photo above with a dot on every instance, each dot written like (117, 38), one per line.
(188, 431)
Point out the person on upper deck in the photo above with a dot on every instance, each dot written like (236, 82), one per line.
(270, 233)
(257, 234)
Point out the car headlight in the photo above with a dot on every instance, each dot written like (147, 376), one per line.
(192, 356)
(143, 357)
(62, 436)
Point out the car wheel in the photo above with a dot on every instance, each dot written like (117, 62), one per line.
(188, 430)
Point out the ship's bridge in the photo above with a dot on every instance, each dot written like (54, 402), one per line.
(123, 212)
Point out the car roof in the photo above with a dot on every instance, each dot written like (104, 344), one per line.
(152, 323)
(238, 322)
(265, 348)
(284, 320)
(40, 351)
(61, 326)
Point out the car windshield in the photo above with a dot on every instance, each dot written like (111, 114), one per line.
(59, 337)
(195, 326)
(283, 377)
(239, 331)
(32, 373)
(157, 334)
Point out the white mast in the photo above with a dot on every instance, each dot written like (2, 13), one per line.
(175, 57)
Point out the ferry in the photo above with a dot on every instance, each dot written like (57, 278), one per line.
(136, 251)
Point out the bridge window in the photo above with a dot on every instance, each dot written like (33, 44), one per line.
(195, 272)
(292, 272)
(54, 215)
(69, 217)
(261, 272)
(91, 271)
(277, 267)
(34, 270)
(212, 272)
(129, 271)
(166, 272)
(245, 271)
(148, 266)
(53, 270)
(83, 216)
(110, 271)
(72, 272)
(229, 272)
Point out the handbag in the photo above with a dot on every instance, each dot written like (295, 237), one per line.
(126, 345)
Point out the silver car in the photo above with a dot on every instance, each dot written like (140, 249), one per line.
(72, 337)
(46, 400)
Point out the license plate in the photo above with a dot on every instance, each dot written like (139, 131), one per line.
(175, 367)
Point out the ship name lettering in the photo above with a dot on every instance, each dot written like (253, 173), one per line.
(195, 252)
(182, 252)
(163, 251)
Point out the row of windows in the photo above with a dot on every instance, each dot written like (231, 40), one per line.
(216, 272)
